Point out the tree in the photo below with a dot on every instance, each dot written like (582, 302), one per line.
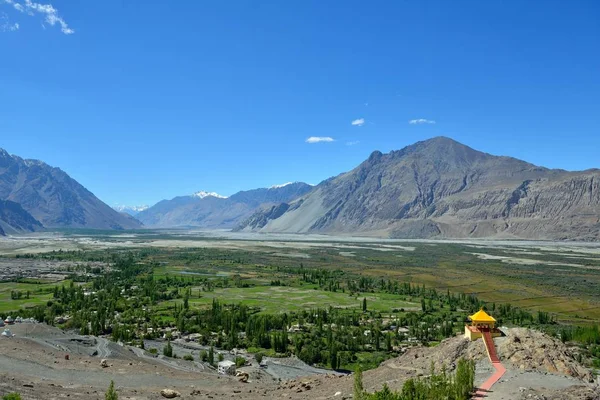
(168, 350)
(359, 391)
(211, 355)
(364, 305)
(111, 394)
(258, 357)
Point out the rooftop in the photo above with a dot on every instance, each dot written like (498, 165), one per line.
(481, 316)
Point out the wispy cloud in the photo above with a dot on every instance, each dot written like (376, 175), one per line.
(6, 25)
(50, 13)
(358, 122)
(319, 139)
(421, 121)
(353, 143)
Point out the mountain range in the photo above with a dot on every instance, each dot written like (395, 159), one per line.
(131, 210)
(36, 195)
(437, 188)
(440, 188)
(212, 211)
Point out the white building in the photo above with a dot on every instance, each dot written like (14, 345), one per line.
(226, 367)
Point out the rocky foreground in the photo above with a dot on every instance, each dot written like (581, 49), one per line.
(538, 367)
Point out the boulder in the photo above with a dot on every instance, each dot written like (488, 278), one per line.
(169, 393)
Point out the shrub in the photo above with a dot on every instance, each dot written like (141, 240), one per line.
(204, 355)
(240, 361)
(12, 396)
(188, 357)
(111, 394)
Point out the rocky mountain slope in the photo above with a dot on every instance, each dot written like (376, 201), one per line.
(14, 219)
(33, 363)
(209, 210)
(441, 188)
(53, 198)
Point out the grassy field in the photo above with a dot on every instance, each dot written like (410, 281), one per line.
(556, 277)
(542, 281)
(39, 293)
(276, 299)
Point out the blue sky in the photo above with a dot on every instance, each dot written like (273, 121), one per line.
(145, 100)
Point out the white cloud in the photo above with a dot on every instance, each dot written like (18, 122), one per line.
(421, 121)
(319, 139)
(353, 143)
(51, 14)
(358, 122)
(6, 25)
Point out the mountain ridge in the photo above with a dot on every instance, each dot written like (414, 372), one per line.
(442, 188)
(217, 212)
(53, 198)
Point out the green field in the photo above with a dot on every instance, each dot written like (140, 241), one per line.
(39, 293)
(276, 299)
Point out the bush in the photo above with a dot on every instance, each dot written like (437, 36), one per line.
(153, 351)
(240, 361)
(259, 357)
(188, 357)
(12, 396)
(204, 355)
(111, 394)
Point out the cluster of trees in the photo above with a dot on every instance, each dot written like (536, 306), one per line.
(122, 302)
(439, 385)
(18, 294)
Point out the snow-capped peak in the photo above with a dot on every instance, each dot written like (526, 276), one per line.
(281, 185)
(202, 194)
(131, 210)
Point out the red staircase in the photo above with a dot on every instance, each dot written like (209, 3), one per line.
(484, 389)
(489, 345)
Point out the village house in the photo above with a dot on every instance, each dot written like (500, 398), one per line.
(226, 367)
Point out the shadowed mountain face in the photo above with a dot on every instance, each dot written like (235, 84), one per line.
(53, 198)
(217, 212)
(441, 188)
(14, 219)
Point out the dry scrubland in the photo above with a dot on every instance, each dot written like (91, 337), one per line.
(35, 366)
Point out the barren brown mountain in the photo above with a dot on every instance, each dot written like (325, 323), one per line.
(442, 188)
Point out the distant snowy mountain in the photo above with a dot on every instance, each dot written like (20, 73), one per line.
(282, 185)
(211, 210)
(131, 210)
(202, 194)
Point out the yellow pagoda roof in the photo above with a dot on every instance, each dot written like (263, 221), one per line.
(482, 316)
